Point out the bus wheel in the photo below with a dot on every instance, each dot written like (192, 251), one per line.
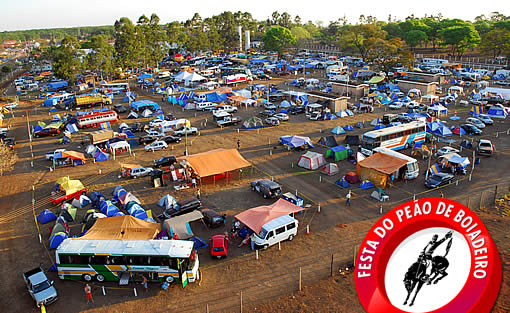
(406, 146)
(169, 279)
(100, 278)
(87, 277)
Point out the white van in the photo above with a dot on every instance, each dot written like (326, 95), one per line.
(280, 229)
(204, 106)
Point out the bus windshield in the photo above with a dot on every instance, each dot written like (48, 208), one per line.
(412, 167)
(369, 143)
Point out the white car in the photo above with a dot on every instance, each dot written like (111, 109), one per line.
(446, 150)
(269, 106)
(485, 119)
(186, 131)
(273, 121)
(156, 145)
(476, 122)
(154, 133)
(141, 171)
(203, 106)
(226, 108)
(413, 105)
(156, 122)
(281, 116)
(396, 105)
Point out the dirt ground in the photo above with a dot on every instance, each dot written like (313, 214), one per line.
(268, 284)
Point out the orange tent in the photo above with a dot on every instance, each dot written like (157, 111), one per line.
(216, 161)
(255, 218)
(74, 155)
(121, 228)
(45, 74)
(378, 167)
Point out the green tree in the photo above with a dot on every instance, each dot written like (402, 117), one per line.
(386, 54)
(101, 57)
(278, 38)
(393, 30)
(285, 20)
(66, 60)
(495, 43)
(361, 38)
(6, 69)
(459, 35)
(415, 37)
(434, 24)
(126, 48)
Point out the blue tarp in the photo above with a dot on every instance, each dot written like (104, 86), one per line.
(50, 102)
(144, 104)
(199, 243)
(296, 141)
(56, 85)
(46, 216)
(496, 112)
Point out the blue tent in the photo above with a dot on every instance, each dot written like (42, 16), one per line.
(366, 185)
(338, 130)
(139, 213)
(129, 97)
(96, 198)
(56, 85)
(50, 102)
(57, 239)
(46, 216)
(101, 156)
(72, 128)
(348, 128)
(108, 208)
(296, 141)
(199, 243)
(497, 112)
(38, 128)
(359, 125)
(129, 134)
(132, 115)
(118, 193)
(329, 116)
(119, 214)
(379, 126)
(342, 183)
(442, 130)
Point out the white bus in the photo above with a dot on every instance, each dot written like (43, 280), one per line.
(411, 170)
(120, 260)
(395, 137)
(115, 87)
(433, 62)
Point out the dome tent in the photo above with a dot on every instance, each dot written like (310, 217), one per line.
(46, 216)
(342, 183)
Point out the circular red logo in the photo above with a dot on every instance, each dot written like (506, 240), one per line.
(428, 255)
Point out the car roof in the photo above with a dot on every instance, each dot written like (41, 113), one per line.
(485, 141)
(277, 222)
(268, 183)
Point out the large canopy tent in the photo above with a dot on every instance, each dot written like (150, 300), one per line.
(257, 217)
(296, 142)
(379, 167)
(215, 162)
(121, 228)
(180, 224)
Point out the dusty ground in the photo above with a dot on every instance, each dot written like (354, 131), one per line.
(276, 273)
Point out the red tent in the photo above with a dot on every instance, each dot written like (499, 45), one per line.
(352, 178)
(255, 218)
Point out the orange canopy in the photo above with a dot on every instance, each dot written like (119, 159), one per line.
(383, 163)
(255, 218)
(216, 161)
(121, 228)
(45, 74)
(129, 166)
(74, 155)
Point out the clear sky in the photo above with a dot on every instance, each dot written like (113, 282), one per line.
(29, 14)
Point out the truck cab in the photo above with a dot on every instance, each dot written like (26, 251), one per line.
(39, 287)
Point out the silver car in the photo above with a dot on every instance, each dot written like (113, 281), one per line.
(476, 122)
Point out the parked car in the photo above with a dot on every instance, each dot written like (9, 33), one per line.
(219, 246)
(273, 121)
(283, 73)
(269, 106)
(156, 122)
(267, 188)
(264, 76)
(154, 133)
(47, 132)
(119, 108)
(226, 108)
(184, 206)
(39, 287)
(171, 139)
(186, 131)
(212, 219)
(165, 161)
(169, 117)
(281, 116)
(485, 147)
(485, 119)
(446, 150)
(140, 171)
(156, 145)
(471, 129)
(267, 113)
(296, 110)
(396, 105)
(476, 122)
(146, 139)
(438, 180)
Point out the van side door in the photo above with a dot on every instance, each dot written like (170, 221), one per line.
(280, 234)
(270, 238)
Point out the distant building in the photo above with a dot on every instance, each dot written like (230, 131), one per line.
(10, 43)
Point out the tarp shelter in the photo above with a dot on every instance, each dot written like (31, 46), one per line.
(121, 228)
(311, 160)
(179, 225)
(497, 112)
(366, 185)
(216, 161)
(81, 202)
(338, 130)
(352, 140)
(167, 202)
(379, 167)
(342, 183)
(330, 169)
(46, 216)
(328, 141)
(338, 153)
(57, 239)
(77, 157)
(253, 122)
(352, 178)
(296, 142)
(257, 217)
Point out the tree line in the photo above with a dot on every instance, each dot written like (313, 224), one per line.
(385, 43)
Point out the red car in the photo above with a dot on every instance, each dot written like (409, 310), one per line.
(283, 73)
(219, 246)
(46, 132)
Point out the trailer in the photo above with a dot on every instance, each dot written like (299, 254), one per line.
(92, 100)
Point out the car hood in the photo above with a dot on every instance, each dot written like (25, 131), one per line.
(45, 294)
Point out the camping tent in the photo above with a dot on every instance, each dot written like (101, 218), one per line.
(375, 121)
(352, 140)
(330, 169)
(380, 195)
(328, 141)
(352, 178)
(100, 156)
(348, 128)
(342, 183)
(57, 239)
(359, 125)
(459, 131)
(311, 160)
(108, 208)
(497, 112)
(342, 114)
(379, 167)
(338, 153)
(81, 202)
(442, 130)
(379, 126)
(338, 130)
(366, 185)
(296, 142)
(167, 202)
(215, 162)
(146, 113)
(121, 228)
(46, 216)
(180, 224)
(257, 217)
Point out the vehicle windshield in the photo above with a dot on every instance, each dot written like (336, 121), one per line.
(485, 144)
(262, 233)
(435, 178)
(412, 167)
(42, 286)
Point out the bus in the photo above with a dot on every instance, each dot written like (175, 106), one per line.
(395, 137)
(93, 119)
(227, 71)
(114, 87)
(412, 169)
(433, 62)
(121, 260)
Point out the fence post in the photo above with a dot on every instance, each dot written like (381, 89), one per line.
(331, 274)
(481, 198)
(495, 193)
(299, 278)
(241, 301)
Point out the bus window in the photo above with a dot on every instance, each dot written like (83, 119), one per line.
(407, 132)
(391, 136)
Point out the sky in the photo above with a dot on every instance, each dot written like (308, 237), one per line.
(32, 14)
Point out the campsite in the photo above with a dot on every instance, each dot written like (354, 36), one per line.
(165, 179)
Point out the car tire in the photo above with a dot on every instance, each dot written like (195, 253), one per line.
(169, 279)
(265, 246)
(87, 277)
(291, 237)
(100, 278)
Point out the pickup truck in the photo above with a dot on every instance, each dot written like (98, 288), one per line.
(223, 118)
(183, 207)
(39, 287)
(186, 131)
(51, 155)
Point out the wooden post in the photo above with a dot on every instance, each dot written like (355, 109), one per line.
(241, 301)
(495, 193)
(331, 266)
(481, 198)
(207, 308)
(300, 279)
(469, 202)
(354, 255)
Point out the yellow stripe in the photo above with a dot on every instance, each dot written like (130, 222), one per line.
(115, 267)
(102, 254)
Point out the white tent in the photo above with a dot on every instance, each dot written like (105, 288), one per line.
(167, 202)
(243, 93)
(119, 145)
(414, 92)
(311, 160)
(182, 76)
(330, 169)
(146, 113)
(456, 89)
(429, 98)
(194, 77)
(91, 149)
